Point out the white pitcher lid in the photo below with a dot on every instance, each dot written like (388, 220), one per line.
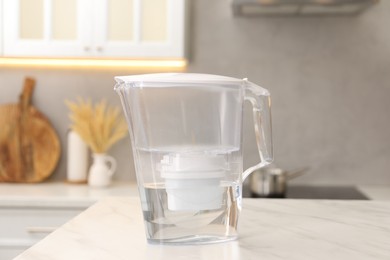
(195, 78)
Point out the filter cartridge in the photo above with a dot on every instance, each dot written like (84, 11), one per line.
(193, 181)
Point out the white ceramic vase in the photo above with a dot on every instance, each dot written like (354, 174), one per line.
(101, 171)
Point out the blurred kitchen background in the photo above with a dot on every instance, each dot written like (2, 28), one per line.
(329, 77)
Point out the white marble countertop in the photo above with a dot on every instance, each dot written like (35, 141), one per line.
(57, 194)
(60, 194)
(269, 229)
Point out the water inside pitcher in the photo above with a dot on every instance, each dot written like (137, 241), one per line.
(186, 135)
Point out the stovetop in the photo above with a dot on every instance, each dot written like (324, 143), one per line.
(325, 192)
(321, 192)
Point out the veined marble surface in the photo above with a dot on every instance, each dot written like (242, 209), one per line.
(269, 229)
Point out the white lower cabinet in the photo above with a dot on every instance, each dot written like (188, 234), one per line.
(22, 227)
(29, 212)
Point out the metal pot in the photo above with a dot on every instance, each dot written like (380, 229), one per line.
(272, 182)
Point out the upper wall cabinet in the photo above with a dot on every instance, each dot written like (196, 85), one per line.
(94, 28)
(1, 28)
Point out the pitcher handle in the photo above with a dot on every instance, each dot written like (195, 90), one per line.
(112, 162)
(261, 103)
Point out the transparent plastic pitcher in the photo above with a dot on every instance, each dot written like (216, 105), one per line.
(186, 135)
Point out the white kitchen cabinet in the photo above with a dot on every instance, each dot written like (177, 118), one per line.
(29, 212)
(1, 28)
(22, 227)
(94, 28)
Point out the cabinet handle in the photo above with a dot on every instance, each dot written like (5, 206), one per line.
(34, 230)
(87, 48)
(99, 48)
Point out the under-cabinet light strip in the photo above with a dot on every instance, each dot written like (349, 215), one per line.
(179, 64)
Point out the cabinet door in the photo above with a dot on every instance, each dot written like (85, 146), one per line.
(22, 227)
(59, 28)
(1, 28)
(139, 28)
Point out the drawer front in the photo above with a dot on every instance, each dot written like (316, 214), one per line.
(32, 224)
(9, 249)
(7, 253)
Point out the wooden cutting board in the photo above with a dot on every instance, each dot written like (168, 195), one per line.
(29, 146)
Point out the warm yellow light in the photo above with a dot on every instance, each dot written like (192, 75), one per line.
(176, 65)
